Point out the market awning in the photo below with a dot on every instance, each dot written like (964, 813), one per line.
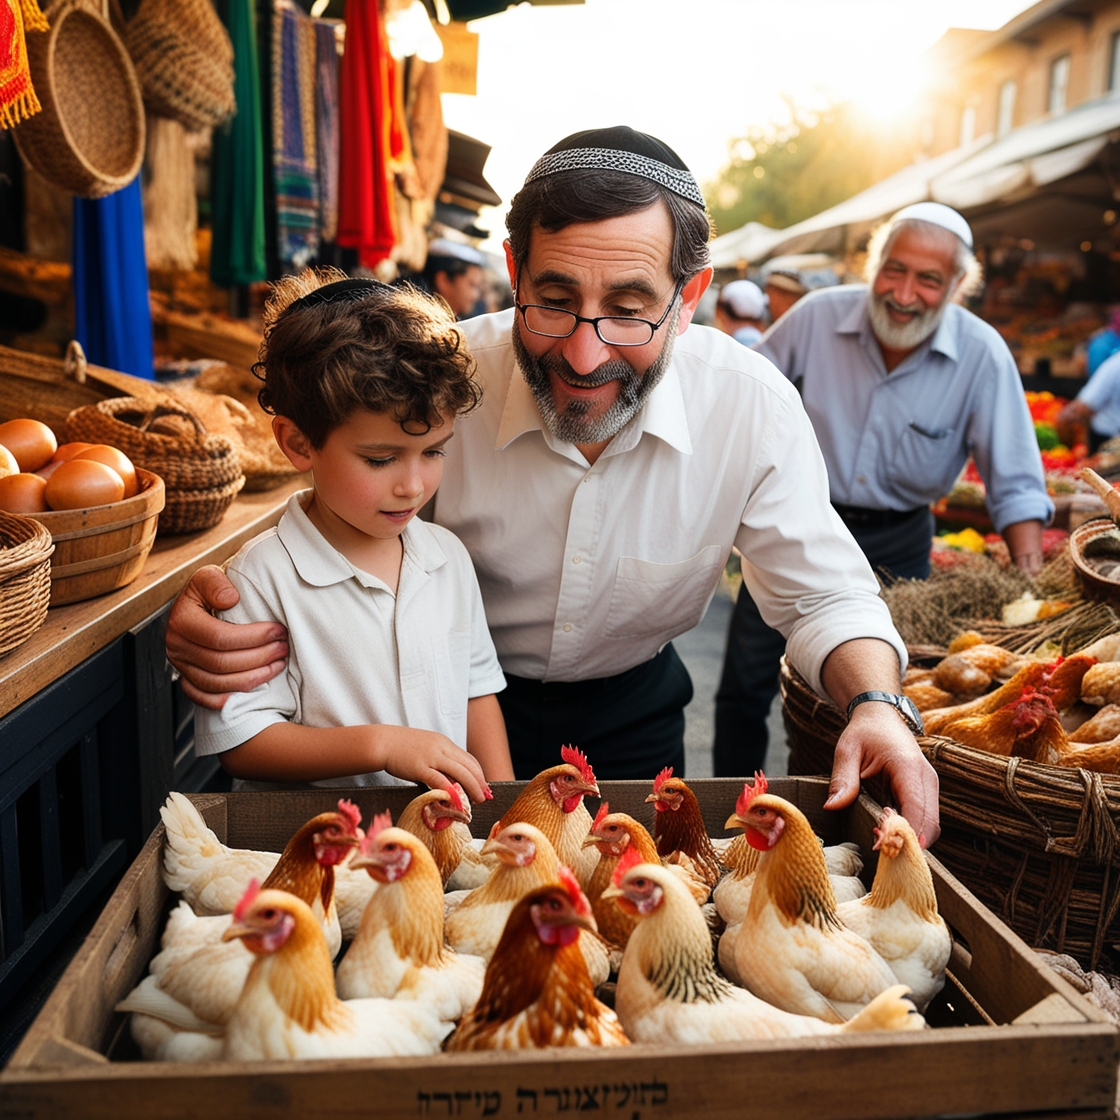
(748, 243)
(1031, 157)
(843, 225)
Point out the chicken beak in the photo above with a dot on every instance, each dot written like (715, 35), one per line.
(653, 797)
(584, 921)
(734, 821)
(590, 839)
(611, 892)
(234, 930)
(458, 815)
(492, 847)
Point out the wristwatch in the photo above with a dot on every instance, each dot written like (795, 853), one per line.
(902, 704)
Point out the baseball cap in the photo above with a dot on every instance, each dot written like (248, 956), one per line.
(744, 299)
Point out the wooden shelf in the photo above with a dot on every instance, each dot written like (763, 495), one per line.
(76, 631)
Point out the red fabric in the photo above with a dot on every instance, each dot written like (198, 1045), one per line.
(365, 196)
(17, 98)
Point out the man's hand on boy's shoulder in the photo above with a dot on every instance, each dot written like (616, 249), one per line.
(215, 658)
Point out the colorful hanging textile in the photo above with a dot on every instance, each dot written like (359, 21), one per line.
(365, 197)
(237, 251)
(326, 119)
(294, 169)
(113, 318)
(17, 96)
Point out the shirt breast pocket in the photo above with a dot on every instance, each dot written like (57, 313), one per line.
(650, 599)
(926, 459)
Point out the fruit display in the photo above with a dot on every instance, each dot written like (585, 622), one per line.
(38, 475)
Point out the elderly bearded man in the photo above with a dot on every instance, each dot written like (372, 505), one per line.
(616, 458)
(901, 385)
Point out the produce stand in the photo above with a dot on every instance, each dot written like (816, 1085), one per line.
(1009, 1037)
(93, 733)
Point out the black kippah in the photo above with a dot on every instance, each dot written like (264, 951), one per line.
(624, 149)
(339, 290)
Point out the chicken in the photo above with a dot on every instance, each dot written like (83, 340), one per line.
(441, 819)
(399, 951)
(669, 992)
(526, 860)
(197, 977)
(899, 917)
(1104, 758)
(792, 949)
(1102, 726)
(537, 992)
(678, 826)
(289, 1007)
(212, 878)
(553, 802)
(1026, 728)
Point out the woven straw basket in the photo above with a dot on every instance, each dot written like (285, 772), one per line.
(201, 471)
(25, 578)
(89, 137)
(184, 61)
(1040, 845)
(101, 548)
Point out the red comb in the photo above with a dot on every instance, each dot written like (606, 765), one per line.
(628, 859)
(600, 815)
(751, 792)
(351, 811)
(575, 892)
(573, 756)
(246, 900)
(662, 778)
(455, 794)
(379, 823)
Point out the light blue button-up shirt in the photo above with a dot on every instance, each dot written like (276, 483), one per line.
(898, 440)
(1102, 394)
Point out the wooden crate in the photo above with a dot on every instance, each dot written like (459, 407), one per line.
(1009, 1038)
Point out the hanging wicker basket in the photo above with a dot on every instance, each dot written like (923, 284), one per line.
(89, 137)
(25, 578)
(184, 61)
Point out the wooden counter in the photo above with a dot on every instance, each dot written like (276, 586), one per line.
(76, 631)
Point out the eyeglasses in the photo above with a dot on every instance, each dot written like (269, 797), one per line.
(614, 330)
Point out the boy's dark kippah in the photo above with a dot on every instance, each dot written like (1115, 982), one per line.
(350, 289)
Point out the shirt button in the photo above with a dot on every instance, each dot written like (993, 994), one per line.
(861, 478)
(576, 559)
(567, 627)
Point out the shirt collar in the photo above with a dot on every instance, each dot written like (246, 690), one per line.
(663, 416)
(945, 338)
(320, 564)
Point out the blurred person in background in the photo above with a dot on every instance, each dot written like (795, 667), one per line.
(741, 311)
(902, 385)
(1095, 411)
(784, 287)
(455, 272)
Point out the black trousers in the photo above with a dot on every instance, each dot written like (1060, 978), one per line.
(629, 726)
(751, 663)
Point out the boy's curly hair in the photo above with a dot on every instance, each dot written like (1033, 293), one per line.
(393, 349)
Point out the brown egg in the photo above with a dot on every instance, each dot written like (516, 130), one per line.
(8, 464)
(118, 460)
(46, 471)
(23, 493)
(67, 451)
(82, 483)
(30, 441)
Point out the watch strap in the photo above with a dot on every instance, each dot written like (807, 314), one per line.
(901, 704)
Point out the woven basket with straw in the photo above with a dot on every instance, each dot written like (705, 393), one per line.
(184, 60)
(201, 470)
(25, 578)
(89, 137)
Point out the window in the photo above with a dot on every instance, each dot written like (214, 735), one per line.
(1059, 84)
(968, 125)
(1006, 119)
(1114, 62)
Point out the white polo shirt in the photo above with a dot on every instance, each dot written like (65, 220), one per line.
(359, 653)
(587, 571)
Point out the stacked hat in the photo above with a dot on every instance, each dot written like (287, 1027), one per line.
(787, 280)
(744, 299)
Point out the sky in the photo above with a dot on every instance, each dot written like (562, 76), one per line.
(695, 73)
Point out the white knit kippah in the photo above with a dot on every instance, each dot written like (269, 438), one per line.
(936, 214)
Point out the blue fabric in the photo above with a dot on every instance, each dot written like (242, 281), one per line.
(113, 318)
(899, 440)
(1101, 393)
(1101, 347)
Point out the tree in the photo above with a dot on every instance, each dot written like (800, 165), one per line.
(784, 172)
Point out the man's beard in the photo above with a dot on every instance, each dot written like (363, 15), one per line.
(575, 424)
(901, 336)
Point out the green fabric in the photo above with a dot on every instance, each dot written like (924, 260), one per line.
(237, 252)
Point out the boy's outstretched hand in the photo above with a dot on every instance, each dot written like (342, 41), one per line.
(433, 760)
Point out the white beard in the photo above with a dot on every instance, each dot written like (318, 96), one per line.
(901, 336)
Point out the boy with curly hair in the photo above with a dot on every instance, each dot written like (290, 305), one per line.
(392, 672)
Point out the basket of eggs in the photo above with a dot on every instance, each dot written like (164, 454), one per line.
(100, 511)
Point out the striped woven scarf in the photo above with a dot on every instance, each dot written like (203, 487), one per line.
(326, 115)
(17, 97)
(293, 136)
